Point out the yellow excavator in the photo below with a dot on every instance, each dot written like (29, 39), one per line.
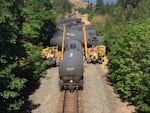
(53, 54)
(94, 54)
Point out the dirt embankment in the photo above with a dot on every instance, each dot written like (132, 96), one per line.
(85, 19)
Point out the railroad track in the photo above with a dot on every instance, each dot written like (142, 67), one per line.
(70, 102)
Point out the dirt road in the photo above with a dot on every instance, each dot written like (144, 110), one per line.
(47, 94)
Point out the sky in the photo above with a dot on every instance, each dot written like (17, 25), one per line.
(105, 1)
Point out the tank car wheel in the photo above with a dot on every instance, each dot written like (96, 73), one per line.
(82, 88)
(82, 77)
(81, 85)
(60, 85)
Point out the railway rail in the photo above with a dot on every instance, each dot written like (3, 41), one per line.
(70, 102)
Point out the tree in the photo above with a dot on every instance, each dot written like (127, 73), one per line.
(100, 7)
(99, 4)
(129, 57)
(124, 3)
(127, 39)
(11, 85)
(22, 23)
(143, 10)
(39, 21)
(62, 6)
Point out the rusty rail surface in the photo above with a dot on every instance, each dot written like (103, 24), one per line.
(70, 102)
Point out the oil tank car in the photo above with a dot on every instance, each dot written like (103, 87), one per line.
(71, 69)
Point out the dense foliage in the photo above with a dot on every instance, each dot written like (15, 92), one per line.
(62, 6)
(99, 5)
(126, 27)
(124, 3)
(24, 28)
(129, 54)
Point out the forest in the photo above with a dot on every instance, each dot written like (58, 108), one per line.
(126, 28)
(26, 27)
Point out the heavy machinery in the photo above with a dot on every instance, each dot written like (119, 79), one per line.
(52, 54)
(94, 54)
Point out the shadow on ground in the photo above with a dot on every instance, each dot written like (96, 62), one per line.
(29, 105)
(31, 88)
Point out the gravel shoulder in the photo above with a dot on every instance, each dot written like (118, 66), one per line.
(95, 99)
(47, 94)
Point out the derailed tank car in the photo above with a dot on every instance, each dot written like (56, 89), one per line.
(75, 32)
(71, 69)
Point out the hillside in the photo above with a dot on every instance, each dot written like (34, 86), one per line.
(79, 3)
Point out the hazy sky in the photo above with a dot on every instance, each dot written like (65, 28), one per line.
(105, 1)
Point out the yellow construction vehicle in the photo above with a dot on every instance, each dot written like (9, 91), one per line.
(95, 54)
(53, 54)
(102, 50)
(49, 52)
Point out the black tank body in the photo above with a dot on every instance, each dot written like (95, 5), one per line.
(72, 64)
(76, 33)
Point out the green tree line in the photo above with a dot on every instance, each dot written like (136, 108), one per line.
(129, 61)
(126, 28)
(25, 28)
(61, 6)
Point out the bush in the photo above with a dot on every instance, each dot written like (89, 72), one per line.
(129, 55)
(34, 61)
